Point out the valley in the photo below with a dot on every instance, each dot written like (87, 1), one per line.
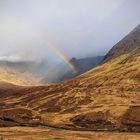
(103, 103)
(78, 104)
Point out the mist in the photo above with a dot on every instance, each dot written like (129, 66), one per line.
(79, 28)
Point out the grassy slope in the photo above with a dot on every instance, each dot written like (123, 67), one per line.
(107, 97)
(22, 133)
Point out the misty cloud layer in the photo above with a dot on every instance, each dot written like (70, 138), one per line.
(77, 27)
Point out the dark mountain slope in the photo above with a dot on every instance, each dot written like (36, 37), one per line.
(82, 65)
(126, 45)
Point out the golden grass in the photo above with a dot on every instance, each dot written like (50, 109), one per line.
(99, 99)
(28, 133)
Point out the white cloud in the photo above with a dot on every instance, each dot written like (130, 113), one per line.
(75, 26)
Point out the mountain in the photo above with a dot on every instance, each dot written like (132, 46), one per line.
(105, 98)
(21, 73)
(82, 65)
(31, 73)
(126, 45)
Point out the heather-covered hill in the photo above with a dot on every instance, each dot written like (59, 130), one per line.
(105, 98)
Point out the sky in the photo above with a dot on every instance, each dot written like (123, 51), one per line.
(29, 29)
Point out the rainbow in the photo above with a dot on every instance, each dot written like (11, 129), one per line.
(64, 58)
(57, 51)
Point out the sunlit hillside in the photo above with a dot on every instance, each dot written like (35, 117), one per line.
(11, 75)
(106, 97)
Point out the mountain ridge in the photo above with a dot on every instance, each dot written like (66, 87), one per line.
(126, 45)
(82, 65)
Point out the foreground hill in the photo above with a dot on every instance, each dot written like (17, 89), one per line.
(32, 133)
(105, 98)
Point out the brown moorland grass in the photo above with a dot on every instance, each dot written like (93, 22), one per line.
(30, 133)
(105, 98)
